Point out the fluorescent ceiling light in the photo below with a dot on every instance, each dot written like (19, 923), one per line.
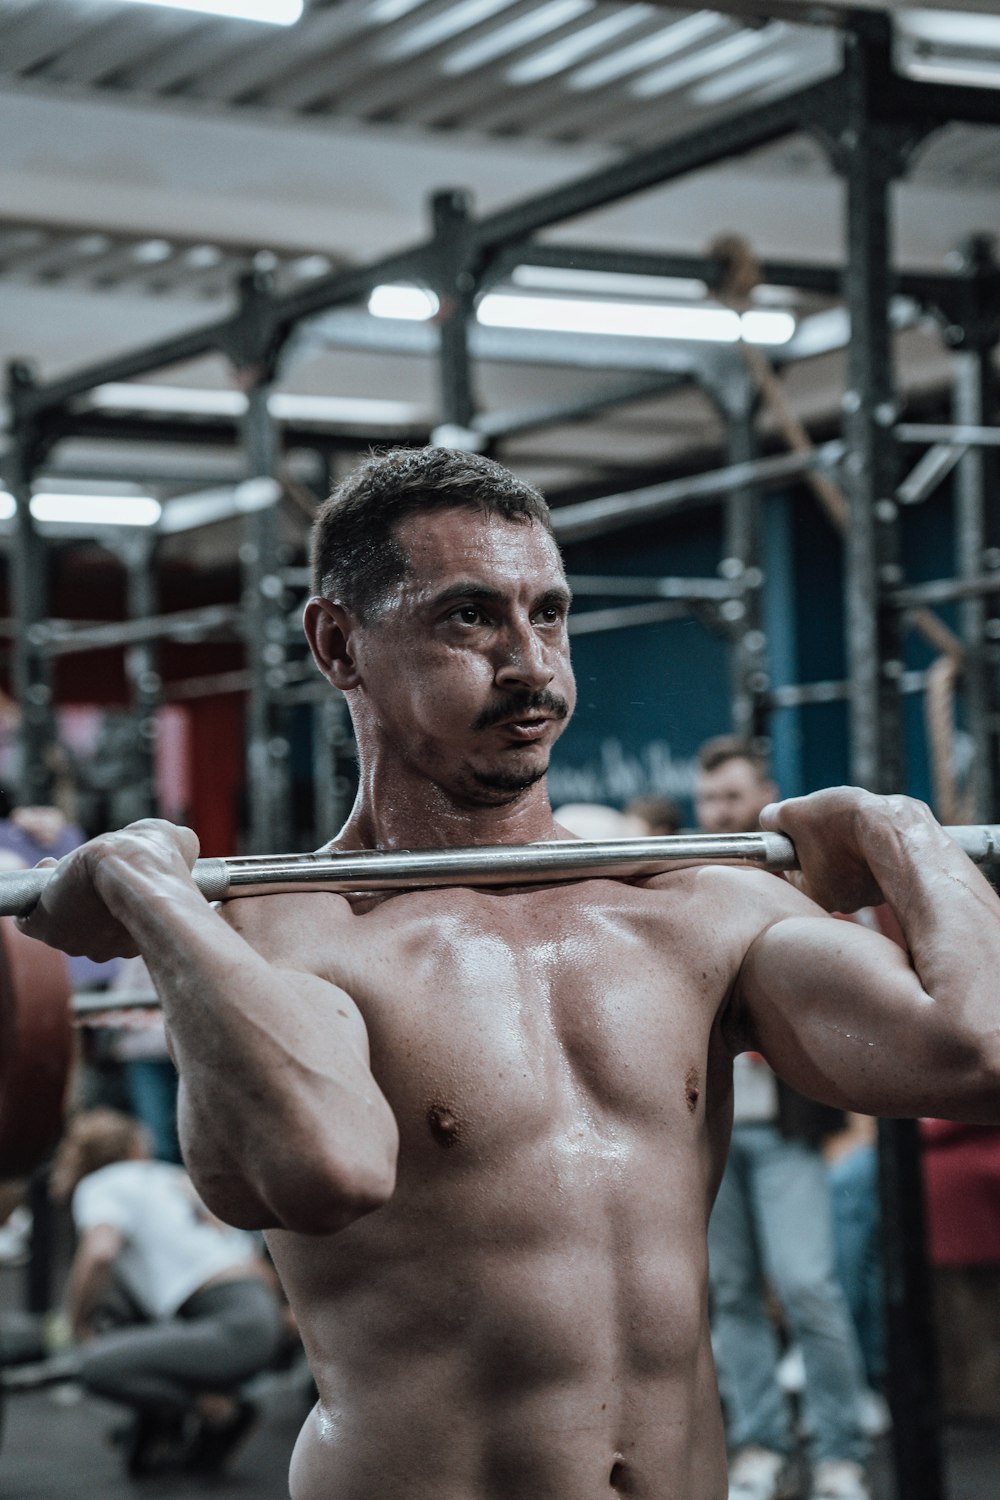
(742, 80)
(514, 34)
(87, 510)
(709, 60)
(415, 304)
(650, 49)
(951, 28)
(271, 12)
(971, 75)
(447, 23)
(569, 49)
(382, 12)
(651, 320)
(284, 406)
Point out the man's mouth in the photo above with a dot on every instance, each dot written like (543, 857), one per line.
(531, 728)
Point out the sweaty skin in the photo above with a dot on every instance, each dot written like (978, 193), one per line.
(483, 1129)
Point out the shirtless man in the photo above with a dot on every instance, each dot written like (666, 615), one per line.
(484, 1129)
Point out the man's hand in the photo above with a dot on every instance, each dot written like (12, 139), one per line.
(85, 906)
(842, 836)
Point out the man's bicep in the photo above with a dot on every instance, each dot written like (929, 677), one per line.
(840, 1015)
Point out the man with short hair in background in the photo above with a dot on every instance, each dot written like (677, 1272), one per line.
(772, 1225)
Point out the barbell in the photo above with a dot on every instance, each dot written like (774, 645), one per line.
(37, 1009)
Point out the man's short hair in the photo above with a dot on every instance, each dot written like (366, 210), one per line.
(356, 557)
(726, 747)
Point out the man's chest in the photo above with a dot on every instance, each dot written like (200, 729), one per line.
(491, 1017)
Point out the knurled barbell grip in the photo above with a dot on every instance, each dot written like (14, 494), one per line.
(504, 864)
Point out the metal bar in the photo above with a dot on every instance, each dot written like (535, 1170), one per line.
(483, 865)
(928, 472)
(735, 136)
(742, 521)
(941, 590)
(505, 424)
(868, 163)
(824, 279)
(191, 625)
(611, 512)
(968, 434)
(870, 157)
(626, 616)
(701, 589)
(267, 745)
(973, 402)
(802, 694)
(29, 587)
(141, 668)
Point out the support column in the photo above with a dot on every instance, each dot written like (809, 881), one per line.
(268, 784)
(138, 553)
(741, 563)
(29, 588)
(974, 402)
(870, 154)
(455, 284)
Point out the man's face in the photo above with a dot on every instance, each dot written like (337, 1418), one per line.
(730, 798)
(465, 668)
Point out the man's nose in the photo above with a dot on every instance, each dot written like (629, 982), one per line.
(524, 660)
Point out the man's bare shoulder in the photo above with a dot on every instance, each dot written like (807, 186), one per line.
(740, 896)
(292, 931)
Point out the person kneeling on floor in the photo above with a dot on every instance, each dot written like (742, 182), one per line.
(173, 1310)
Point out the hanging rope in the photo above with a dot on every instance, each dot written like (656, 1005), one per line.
(740, 275)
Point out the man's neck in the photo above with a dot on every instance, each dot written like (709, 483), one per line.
(435, 820)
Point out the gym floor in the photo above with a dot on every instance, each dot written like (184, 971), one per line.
(55, 1446)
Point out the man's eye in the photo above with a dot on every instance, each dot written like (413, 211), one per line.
(551, 615)
(469, 614)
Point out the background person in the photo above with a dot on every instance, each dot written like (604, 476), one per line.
(173, 1310)
(772, 1226)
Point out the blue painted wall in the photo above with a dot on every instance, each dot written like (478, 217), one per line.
(649, 695)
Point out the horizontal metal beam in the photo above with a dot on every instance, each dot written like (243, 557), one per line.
(942, 590)
(732, 136)
(703, 590)
(573, 523)
(58, 639)
(506, 424)
(627, 616)
(948, 432)
(824, 279)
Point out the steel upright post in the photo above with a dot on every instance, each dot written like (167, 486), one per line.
(974, 337)
(268, 768)
(870, 153)
(138, 553)
(29, 587)
(741, 565)
(456, 288)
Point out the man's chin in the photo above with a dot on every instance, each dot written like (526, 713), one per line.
(495, 788)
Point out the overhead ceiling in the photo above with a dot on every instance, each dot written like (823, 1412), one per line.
(151, 154)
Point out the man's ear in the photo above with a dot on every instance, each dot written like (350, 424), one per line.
(330, 630)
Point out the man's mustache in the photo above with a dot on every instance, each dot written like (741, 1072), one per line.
(521, 705)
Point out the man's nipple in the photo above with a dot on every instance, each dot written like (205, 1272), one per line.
(692, 1089)
(444, 1125)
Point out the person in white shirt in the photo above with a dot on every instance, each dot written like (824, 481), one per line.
(192, 1309)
